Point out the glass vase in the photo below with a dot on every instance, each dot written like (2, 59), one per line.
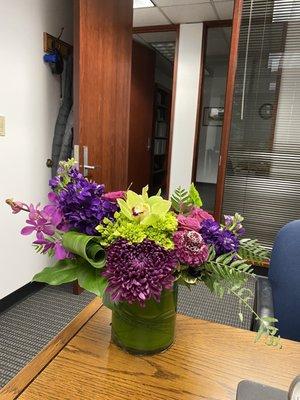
(145, 330)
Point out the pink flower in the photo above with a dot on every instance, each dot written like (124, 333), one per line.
(188, 223)
(190, 248)
(200, 215)
(114, 196)
(17, 206)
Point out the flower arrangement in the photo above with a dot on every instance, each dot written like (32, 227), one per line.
(132, 247)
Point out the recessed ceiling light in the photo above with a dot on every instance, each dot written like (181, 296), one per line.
(142, 3)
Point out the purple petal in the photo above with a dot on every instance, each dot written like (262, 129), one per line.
(48, 230)
(27, 230)
(60, 252)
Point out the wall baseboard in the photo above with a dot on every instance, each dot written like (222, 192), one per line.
(20, 294)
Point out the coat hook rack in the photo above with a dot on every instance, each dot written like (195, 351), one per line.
(52, 42)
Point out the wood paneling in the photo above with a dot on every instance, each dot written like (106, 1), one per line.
(235, 34)
(102, 70)
(13, 388)
(156, 28)
(141, 115)
(207, 361)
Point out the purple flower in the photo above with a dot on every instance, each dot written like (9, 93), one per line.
(190, 248)
(37, 223)
(138, 272)
(221, 238)
(82, 205)
(60, 252)
(234, 224)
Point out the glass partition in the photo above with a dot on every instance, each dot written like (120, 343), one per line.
(263, 164)
(212, 112)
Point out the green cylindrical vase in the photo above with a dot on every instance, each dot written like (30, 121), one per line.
(145, 330)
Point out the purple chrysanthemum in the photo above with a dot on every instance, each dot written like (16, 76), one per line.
(222, 239)
(82, 204)
(138, 272)
(190, 248)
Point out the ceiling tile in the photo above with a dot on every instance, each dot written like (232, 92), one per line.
(224, 9)
(190, 13)
(148, 17)
(162, 3)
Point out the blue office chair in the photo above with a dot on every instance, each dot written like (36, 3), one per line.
(280, 294)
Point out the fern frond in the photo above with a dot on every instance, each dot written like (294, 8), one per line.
(251, 250)
(228, 275)
(181, 201)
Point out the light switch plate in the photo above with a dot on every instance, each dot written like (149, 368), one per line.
(2, 125)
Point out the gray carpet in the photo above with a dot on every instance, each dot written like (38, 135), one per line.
(28, 326)
(199, 302)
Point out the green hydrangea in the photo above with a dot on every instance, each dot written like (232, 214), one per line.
(161, 231)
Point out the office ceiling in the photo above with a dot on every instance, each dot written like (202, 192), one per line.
(162, 42)
(182, 11)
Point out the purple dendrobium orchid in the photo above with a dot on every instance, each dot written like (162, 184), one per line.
(60, 252)
(41, 226)
(52, 214)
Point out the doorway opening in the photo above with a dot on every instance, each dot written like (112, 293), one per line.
(152, 82)
(216, 50)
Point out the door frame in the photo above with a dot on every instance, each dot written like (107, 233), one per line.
(206, 26)
(167, 28)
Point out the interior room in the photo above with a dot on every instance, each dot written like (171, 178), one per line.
(150, 201)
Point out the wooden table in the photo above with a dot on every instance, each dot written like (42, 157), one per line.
(207, 361)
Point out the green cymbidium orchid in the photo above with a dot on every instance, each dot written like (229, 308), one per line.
(143, 209)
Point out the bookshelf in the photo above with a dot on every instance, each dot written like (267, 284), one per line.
(160, 138)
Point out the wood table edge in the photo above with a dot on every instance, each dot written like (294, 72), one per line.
(27, 374)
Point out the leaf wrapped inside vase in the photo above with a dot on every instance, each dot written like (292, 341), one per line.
(85, 246)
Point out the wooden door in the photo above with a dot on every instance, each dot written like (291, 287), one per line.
(102, 71)
(141, 115)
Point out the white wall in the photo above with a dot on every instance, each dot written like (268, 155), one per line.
(29, 99)
(186, 101)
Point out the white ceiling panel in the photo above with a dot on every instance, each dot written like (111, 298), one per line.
(149, 17)
(191, 13)
(224, 9)
(162, 3)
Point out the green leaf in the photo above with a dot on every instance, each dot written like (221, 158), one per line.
(62, 271)
(194, 196)
(70, 270)
(90, 279)
(85, 246)
(188, 278)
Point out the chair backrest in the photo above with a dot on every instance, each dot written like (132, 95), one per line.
(284, 276)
